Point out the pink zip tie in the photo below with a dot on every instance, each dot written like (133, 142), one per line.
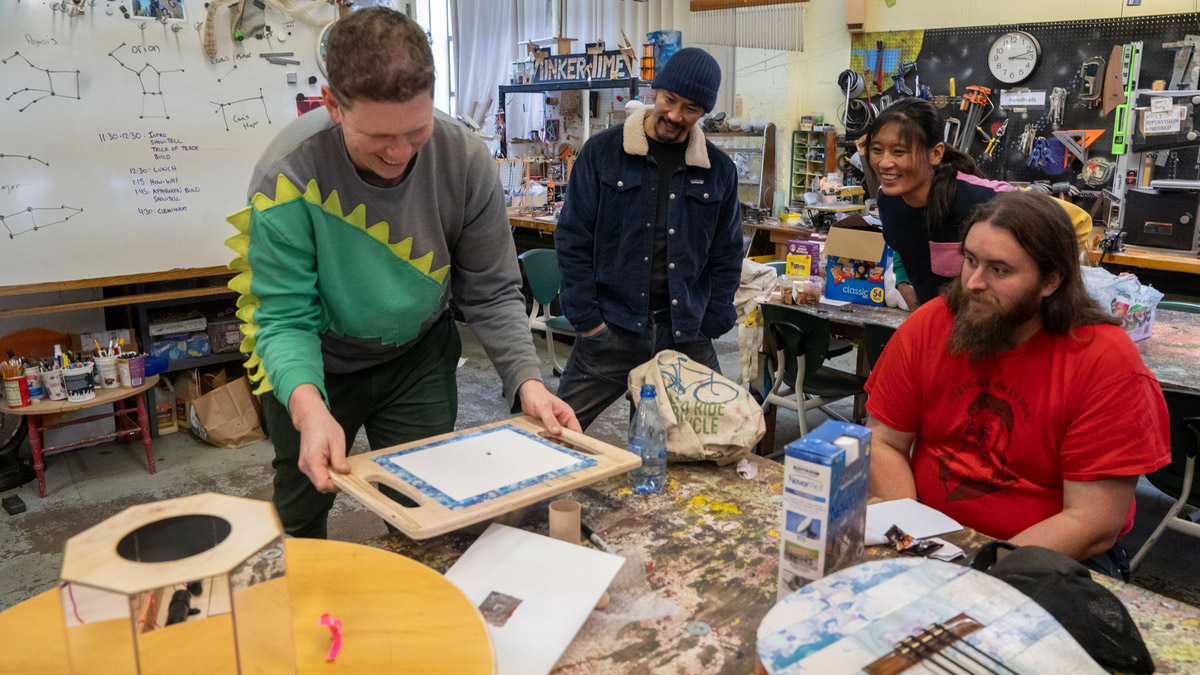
(335, 627)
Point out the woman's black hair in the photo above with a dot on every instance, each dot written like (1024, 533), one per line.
(920, 126)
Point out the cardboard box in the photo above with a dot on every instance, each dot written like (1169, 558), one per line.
(182, 346)
(855, 259)
(803, 258)
(190, 324)
(825, 477)
(85, 343)
(224, 336)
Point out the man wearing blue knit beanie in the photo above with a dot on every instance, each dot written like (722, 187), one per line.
(649, 240)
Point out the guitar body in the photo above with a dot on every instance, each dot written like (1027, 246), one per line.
(851, 622)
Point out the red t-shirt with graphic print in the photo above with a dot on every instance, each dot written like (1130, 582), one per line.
(996, 440)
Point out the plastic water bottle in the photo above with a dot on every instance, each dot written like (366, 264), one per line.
(648, 440)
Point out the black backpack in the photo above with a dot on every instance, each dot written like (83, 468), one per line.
(1065, 589)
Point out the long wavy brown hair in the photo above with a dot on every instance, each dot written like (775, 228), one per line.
(1043, 229)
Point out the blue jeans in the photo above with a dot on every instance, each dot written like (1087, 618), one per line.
(597, 371)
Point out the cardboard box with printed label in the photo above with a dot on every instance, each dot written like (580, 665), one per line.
(803, 258)
(856, 257)
(825, 476)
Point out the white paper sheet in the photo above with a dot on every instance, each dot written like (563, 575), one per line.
(477, 464)
(558, 585)
(912, 516)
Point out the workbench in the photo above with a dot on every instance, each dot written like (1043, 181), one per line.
(703, 559)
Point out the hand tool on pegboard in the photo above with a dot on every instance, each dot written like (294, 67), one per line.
(1058, 104)
(902, 70)
(946, 135)
(879, 66)
(1114, 80)
(1131, 65)
(1186, 72)
(1091, 84)
(994, 141)
(974, 102)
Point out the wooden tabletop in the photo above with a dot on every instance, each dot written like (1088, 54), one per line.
(47, 407)
(1137, 256)
(701, 572)
(398, 616)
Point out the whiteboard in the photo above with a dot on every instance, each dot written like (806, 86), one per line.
(123, 145)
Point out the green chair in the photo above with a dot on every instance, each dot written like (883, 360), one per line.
(1178, 306)
(1176, 479)
(799, 343)
(541, 269)
(779, 266)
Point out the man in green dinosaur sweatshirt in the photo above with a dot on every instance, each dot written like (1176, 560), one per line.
(365, 217)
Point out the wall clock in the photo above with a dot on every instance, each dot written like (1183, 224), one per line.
(1013, 56)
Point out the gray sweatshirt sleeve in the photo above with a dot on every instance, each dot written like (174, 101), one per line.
(486, 281)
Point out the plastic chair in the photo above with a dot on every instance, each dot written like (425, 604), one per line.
(800, 343)
(541, 269)
(1176, 479)
(780, 267)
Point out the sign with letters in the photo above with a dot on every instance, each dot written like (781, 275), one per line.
(609, 65)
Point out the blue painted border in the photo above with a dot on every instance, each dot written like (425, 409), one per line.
(384, 461)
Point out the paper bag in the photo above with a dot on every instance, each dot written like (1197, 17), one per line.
(187, 387)
(708, 417)
(225, 414)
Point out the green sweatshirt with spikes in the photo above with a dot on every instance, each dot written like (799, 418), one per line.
(340, 275)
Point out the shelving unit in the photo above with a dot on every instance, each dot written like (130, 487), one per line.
(814, 155)
(753, 153)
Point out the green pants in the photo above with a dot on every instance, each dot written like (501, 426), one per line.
(411, 397)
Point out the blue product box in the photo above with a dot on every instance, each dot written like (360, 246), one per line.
(825, 479)
(182, 346)
(856, 259)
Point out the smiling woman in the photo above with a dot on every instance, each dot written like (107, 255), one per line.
(927, 189)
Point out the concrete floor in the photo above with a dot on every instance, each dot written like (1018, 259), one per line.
(89, 485)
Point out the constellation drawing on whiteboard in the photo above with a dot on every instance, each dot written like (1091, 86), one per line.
(153, 93)
(60, 90)
(27, 157)
(26, 221)
(246, 123)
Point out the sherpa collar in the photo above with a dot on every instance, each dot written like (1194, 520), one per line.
(635, 142)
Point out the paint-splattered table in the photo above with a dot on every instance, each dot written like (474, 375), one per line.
(1172, 352)
(702, 574)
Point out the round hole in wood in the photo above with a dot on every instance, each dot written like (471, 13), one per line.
(173, 538)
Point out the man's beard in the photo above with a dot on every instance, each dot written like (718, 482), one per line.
(667, 131)
(981, 333)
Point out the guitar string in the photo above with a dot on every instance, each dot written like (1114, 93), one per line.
(953, 643)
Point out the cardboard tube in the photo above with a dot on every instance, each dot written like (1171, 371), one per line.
(564, 520)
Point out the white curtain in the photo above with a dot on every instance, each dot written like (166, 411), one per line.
(488, 33)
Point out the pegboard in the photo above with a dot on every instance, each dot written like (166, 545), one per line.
(961, 53)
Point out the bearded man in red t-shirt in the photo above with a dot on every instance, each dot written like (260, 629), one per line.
(1014, 403)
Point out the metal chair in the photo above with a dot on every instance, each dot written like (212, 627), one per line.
(541, 269)
(1176, 479)
(800, 344)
